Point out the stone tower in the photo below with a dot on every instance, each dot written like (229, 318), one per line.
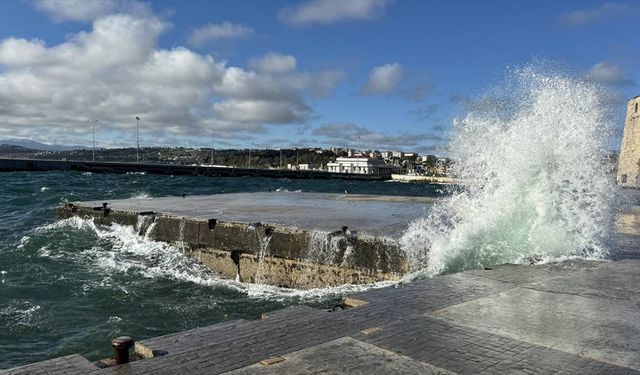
(629, 160)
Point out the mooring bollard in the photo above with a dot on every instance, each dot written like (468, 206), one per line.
(121, 345)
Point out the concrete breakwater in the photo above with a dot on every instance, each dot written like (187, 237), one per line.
(37, 165)
(299, 240)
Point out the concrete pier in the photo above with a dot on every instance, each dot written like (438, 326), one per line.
(289, 239)
(576, 317)
(42, 165)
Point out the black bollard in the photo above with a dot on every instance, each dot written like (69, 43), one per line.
(122, 345)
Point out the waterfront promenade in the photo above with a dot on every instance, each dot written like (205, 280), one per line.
(577, 317)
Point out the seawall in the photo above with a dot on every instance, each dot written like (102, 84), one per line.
(299, 240)
(38, 165)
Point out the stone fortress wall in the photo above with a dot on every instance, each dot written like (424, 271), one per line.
(629, 161)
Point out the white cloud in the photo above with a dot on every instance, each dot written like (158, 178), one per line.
(581, 17)
(116, 71)
(331, 11)
(225, 30)
(383, 79)
(273, 62)
(610, 73)
(89, 10)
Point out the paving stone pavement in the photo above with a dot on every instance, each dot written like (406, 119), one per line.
(69, 365)
(576, 317)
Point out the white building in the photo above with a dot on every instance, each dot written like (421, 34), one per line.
(360, 165)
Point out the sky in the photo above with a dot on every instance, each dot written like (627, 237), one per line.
(368, 74)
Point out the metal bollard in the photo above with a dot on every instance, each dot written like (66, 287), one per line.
(122, 345)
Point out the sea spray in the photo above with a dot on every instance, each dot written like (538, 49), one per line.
(536, 180)
(263, 252)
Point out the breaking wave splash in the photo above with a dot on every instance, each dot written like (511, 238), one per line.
(537, 183)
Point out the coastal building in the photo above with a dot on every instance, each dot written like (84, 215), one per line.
(309, 166)
(629, 160)
(361, 166)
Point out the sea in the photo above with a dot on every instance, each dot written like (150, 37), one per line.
(71, 287)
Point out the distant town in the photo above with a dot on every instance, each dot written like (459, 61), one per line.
(336, 160)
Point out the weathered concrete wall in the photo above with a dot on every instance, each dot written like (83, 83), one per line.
(629, 160)
(274, 255)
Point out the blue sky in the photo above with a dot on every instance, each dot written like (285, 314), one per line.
(363, 73)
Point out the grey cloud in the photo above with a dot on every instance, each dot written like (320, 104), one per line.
(213, 32)
(262, 111)
(273, 62)
(389, 79)
(347, 134)
(609, 73)
(383, 79)
(582, 17)
(324, 12)
(89, 10)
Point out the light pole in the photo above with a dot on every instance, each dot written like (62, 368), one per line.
(137, 139)
(94, 122)
(212, 133)
(280, 151)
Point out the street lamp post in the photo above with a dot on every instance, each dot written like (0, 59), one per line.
(137, 139)
(94, 122)
(212, 133)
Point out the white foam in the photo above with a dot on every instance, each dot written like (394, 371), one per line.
(141, 195)
(120, 249)
(536, 180)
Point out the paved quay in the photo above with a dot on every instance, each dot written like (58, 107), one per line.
(576, 317)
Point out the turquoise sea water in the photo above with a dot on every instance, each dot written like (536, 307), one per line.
(70, 287)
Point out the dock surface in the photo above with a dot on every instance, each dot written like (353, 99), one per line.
(377, 215)
(576, 317)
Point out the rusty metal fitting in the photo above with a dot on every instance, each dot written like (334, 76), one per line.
(268, 231)
(122, 345)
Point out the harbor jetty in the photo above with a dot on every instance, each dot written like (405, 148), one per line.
(288, 239)
(576, 317)
(41, 165)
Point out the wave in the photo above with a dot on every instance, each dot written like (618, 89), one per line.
(121, 249)
(537, 184)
